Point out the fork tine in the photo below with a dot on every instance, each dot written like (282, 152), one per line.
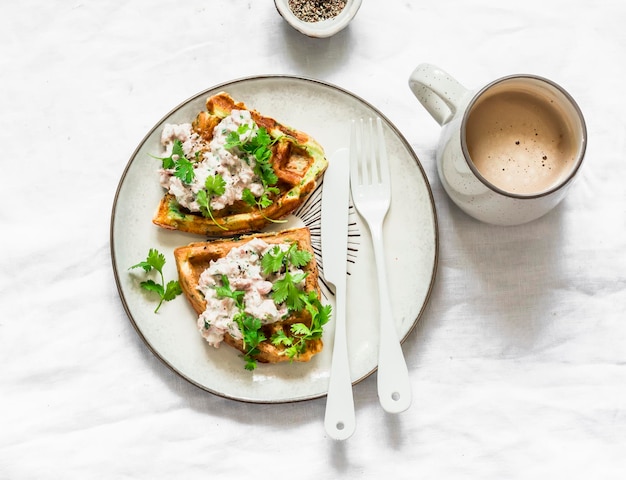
(383, 162)
(368, 153)
(369, 158)
(359, 151)
(365, 152)
(355, 166)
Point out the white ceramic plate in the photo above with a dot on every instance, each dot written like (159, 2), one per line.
(324, 111)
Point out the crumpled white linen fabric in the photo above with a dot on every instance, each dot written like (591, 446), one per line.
(518, 364)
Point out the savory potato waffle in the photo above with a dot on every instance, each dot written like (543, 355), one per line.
(194, 259)
(296, 160)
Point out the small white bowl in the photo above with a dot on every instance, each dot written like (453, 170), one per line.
(323, 28)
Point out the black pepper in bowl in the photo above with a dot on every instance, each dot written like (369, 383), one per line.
(316, 10)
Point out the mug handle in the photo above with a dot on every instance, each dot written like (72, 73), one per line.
(437, 91)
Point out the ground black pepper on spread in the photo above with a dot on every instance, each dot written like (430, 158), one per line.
(316, 10)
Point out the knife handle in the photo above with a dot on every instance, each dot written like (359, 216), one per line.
(339, 420)
(394, 388)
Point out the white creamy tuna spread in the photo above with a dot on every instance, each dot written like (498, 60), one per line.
(235, 167)
(242, 267)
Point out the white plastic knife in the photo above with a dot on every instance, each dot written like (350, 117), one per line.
(339, 420)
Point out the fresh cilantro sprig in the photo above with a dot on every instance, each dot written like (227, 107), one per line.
(300, 333)
(249, 326)
(258, 146)
(252, 337)
(287, 290)
(156, 260)
(224, 291)
(183, 168)
(261, 202)
(277, 259)
(214, 185)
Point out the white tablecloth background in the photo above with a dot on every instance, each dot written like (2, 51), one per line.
(518, 365)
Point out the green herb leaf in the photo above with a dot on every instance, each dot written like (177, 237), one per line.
(272, 261)
(276, 259)
(184, 170)
(177, 153)
(177, 150)
(250, 328)
(263, 137)
(156, 260)
(215, 185)
(224, 291)
(152, 286)
(248, 197)
(294, 350)
(145, 265)
(281, 338)
(264, 201)
(297, 257)
(172, 290)
(286, 289)
(300, 329)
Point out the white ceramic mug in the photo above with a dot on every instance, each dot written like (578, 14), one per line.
(509, 151)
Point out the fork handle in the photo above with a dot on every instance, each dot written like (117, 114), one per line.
(394, 387)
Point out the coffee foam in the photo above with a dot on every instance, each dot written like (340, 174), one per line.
(520, 139)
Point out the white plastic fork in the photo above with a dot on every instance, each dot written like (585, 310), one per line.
(371, 194)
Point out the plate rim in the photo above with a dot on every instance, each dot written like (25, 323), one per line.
(225, 84)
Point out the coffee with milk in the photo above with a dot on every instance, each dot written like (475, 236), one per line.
(520, 140)
(509, 151)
